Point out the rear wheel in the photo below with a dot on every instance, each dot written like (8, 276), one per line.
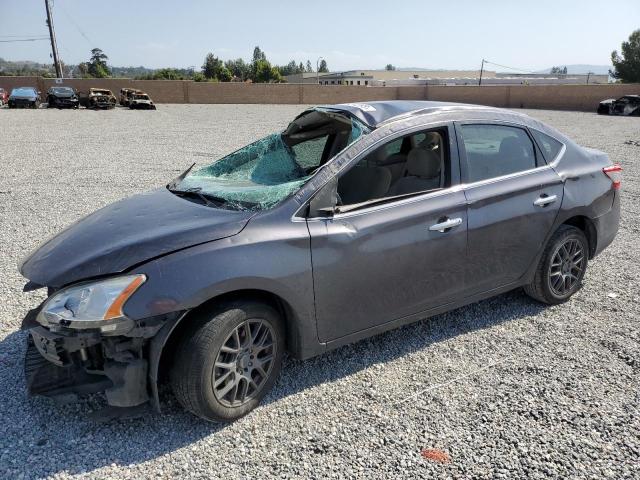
(228, 360)
(561, 268)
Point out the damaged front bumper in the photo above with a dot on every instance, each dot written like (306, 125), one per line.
(63, 364)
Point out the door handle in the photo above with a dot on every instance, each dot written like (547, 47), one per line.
(446, 225)
(545, 200)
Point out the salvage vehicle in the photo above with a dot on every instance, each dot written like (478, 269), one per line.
(4, 97)
(62, 97)
(356, 219)
(629, 105)
(98, 98)
(125, 95)
(141, 101)
(24, 97)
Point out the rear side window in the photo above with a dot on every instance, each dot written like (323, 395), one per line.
(496, 150)
(549, 145)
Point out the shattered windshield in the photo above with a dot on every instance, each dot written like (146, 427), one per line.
(265, 172)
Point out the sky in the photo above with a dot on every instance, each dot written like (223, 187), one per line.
(529, 35)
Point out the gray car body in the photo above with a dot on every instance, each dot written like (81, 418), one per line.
(337, 279)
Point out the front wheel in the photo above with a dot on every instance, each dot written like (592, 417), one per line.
(561, 268)
(228, 360)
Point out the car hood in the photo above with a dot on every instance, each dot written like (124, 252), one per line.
(127, 233)
(608, 100)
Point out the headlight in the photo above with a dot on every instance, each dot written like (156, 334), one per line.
(91, 305)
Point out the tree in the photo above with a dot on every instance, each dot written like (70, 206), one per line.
(97, 66)
(559, 70)
(389, 67)
(309, 68)
(258, 55)
(214, 69)
(238, 68)
(626, 68)
(323, 67)
(265, 73)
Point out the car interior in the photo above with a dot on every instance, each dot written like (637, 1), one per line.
(411, 164)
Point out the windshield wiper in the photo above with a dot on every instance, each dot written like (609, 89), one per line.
(208, 199)
(174, 183)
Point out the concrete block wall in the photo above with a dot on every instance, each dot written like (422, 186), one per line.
(557, 97)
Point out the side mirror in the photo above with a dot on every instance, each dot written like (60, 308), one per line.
(323, 204)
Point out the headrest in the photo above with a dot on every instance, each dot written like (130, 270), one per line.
(423, 163)
(431, 140)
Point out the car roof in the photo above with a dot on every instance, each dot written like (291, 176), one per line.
(373, 114)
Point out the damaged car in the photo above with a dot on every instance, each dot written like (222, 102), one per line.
(98, 98)
(629, 105)
(356, 219)
(125, 95)
(4, 97)
(141, 101)
(62, 97)
(24, 97)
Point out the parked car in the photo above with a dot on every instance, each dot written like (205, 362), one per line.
(4, 97)
(98, 98)
(24, 97)
(141, 101)
(62, 97)
(627, 105)
(125, 95)
(354, 220)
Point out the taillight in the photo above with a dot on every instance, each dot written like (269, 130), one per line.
(614, 172)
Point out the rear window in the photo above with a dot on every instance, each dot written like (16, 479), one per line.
(550, 146)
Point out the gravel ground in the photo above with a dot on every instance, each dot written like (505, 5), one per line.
(506, 388)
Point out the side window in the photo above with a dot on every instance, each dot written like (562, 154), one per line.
(549, 145)
(496, 150)
(389, 171)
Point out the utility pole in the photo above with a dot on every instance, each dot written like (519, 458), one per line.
(52, 34)
(318, 70)
(588, 75)
(481, 70)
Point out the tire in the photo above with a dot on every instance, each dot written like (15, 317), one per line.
(561, 268)
(214, 393)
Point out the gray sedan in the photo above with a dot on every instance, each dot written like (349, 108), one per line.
(354, 220)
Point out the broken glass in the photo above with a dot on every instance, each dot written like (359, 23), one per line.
(263, 173)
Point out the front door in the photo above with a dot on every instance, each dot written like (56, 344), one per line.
(513, 196)
(402, 251)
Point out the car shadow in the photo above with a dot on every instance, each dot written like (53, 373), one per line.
(42, 438)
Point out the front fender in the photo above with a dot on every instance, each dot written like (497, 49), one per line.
(267, 256)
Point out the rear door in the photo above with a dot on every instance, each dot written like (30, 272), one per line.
(513, 198)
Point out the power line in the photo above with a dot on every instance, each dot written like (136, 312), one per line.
(20, 36)
(510, 68)
(24, 40)
(84, 35)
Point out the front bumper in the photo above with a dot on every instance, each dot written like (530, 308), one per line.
(63, 103)
(142, 106)
(66, 363)
(21, 102)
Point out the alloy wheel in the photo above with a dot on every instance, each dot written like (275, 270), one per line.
(567, 267)
(244, 362)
